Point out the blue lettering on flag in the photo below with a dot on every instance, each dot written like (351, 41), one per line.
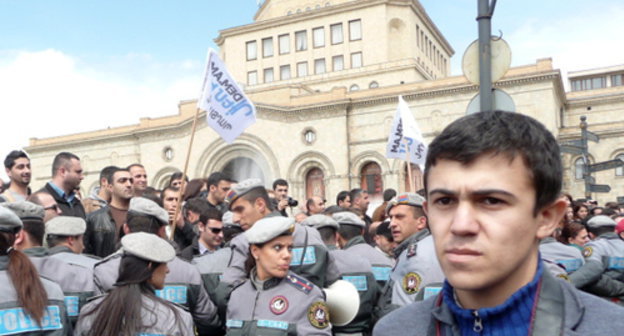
(359, 281)
(616, 263)
(570, 265)
(309, 259)
(382, 273)
(175, 294)
(431, 291)
(16, 321)
(72, 303)
(234, 324)
(273, 324)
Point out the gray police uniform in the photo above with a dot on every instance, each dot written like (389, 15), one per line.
(158, 320)
(75, 281)
(15, 321)
(603, 271)
(309, 256)
(288, 306)
(417, 269)
(358, 271)
(183, 286)
(569, 258)
(382, 266)
(211, 267)
(64, 253)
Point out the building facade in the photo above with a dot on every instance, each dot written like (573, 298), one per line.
(325, 77)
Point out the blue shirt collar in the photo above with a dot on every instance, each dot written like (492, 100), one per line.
(61, 193)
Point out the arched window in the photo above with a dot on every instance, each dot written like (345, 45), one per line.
(371, 180)
(578, 168)
(417, 176)
(619, 171)
(373, 85)
(315, 186)
(354, 87)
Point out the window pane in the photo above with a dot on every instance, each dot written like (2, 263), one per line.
(355, 30)
(356, 60)
(284, 44)
(354, 87)
(285, 72)
(319, 66)
(617, 80)
(598, 83)
(268, 75)
(319, 37)
(338, 62)
(252, 78)
(267, 47)
(336, 33)
(619, 171)
(252, 50)
(302, 69)
(301, 40)
(578, 169)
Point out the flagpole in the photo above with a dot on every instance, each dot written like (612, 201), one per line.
(409, 167)
(183, 185)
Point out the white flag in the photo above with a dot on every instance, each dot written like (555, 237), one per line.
(406, 137)
(228, 110)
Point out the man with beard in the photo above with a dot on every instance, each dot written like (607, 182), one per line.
(17, 165)
(104, 225)
(66, 178)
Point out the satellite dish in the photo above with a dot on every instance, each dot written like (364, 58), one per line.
(501, 101)
(501, 60)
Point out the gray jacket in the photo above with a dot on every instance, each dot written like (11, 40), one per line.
(603, 271)
(65, 254)
(561, 310)
(359, 272)
(560, 259)
(75, 281)
(382, 265)
(54, 319)
(289, 306)
(183, 286)
(158, 318)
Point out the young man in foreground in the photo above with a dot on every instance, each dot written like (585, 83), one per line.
(493, 181)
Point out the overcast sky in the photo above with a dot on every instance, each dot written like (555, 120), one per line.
(81, 65)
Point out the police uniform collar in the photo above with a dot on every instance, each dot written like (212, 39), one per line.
(37, 251)
(415, 238)
(547, 240)
(354, 241)
(59, 249)
(609, 235)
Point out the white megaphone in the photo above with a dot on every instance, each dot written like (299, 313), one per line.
(343, 302)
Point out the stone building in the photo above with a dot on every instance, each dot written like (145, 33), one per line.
(325, 77)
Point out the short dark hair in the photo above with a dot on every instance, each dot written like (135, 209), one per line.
(355, 193)
(162, 193)
(208, 214)
(9, 161)
(111, 177)
(388, 194)
(152, 194)
(348, 231)
(259, 192)
(177, 176)
(279, 182)
(510, 134)
(383, 229)
(309, 202)
(107, 173)
(35, 229)
(196, 204)
(328, 234)
(54, 240)
(138, 222)
(215, 178)
(135, 165)
(342, 196)
(62, 159)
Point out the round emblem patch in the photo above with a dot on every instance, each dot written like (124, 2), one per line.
(278, 305)
(563, 276)
(318, 315)
(411, 283)
(587, 251)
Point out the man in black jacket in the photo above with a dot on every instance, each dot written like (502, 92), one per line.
(66, 178)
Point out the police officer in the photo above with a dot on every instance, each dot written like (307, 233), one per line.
(75, 281)
(350, 239)
(417, 266)
(183, 284)
(295, 305)
(350, 267)
(64, 235)
(132, 308)
(603, 271)
(561, 259)
(249, 201)
(38, 307)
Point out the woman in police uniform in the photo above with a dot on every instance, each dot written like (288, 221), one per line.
(30, 305)
(132, 308)
(273, 300)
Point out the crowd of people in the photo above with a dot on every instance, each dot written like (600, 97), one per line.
(490, 246)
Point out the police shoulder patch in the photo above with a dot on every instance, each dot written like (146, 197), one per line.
(588, 251)
(411, 283)
(318, 315)
(300, 283)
